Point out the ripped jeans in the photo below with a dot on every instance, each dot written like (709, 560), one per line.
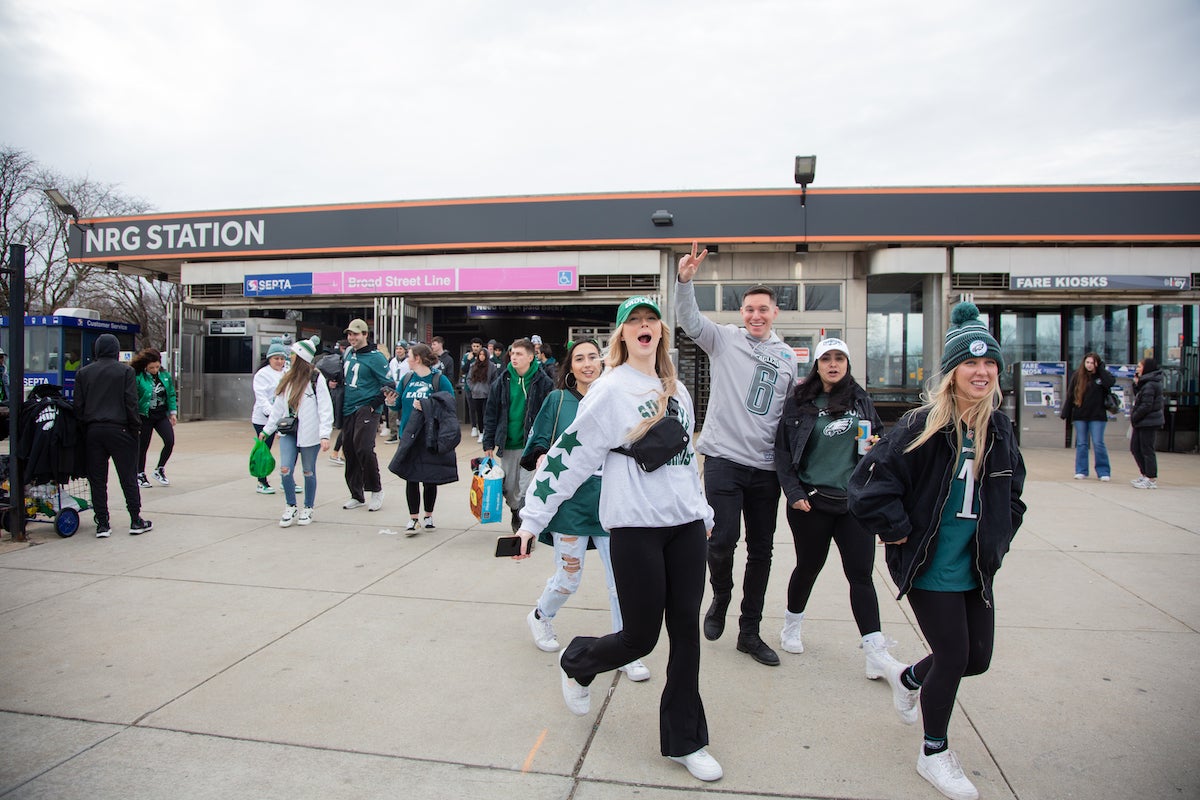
(288, 451)
(569, 553)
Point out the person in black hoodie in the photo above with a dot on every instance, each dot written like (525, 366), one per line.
(106, 404)
(1146, 417)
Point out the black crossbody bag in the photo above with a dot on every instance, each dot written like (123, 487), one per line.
(666, 439)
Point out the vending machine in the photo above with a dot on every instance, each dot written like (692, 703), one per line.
(1117, 428)
(1041, 391)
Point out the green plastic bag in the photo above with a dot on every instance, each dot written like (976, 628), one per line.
(262, 463)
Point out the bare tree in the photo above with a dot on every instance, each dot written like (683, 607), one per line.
(131, 298)
(28, 217)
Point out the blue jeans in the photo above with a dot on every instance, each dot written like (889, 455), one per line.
(1095, 432)
(569, 555)
(287, 465)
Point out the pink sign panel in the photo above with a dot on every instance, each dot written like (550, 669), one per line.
(528, 279)
(389, 281)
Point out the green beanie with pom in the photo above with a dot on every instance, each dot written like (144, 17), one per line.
(968, 337)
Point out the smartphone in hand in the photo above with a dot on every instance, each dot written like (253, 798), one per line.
(509, 546)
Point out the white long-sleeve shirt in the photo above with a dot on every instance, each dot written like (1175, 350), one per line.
(750, 379)
(265, 381)
(614, 405)
(314, 416)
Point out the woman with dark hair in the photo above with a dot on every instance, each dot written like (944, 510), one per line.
(1146, 417)
(422, 389)
(266, 380)
(816, 449)
(657, 523)
(479, 380)
(157, 405)
(943, 492)
(1084, 409)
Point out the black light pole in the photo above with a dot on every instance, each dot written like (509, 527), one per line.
(806, 170)
(16, 386)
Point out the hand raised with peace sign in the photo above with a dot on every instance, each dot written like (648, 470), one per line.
(689, 264)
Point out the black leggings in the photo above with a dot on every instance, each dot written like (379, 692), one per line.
(961, 630)
(657, 571)
(166, 432)
(477, 406)
(812, 531)
(413, 490)
(1141, 444)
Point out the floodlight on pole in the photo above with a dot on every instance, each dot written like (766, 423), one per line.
(62, 203)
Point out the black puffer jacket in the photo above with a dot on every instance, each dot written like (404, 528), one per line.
(796, 425)
(898, 495)
(1147, 411)
(426, 449)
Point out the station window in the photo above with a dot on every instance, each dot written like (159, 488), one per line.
(229, 355)
(37, 349)
(73, 346)
(731, 296)
(822, 297)
(895, 325)
(706, 296)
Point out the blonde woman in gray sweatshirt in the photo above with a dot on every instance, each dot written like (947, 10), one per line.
(658, 524)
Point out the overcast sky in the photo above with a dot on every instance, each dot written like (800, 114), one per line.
(235, 103)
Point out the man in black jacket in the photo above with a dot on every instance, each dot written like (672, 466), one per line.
(106, 404)
(514, 400)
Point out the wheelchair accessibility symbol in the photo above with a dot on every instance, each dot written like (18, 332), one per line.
(564, 277)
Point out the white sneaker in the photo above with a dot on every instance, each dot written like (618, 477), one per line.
(481, 438)
(789, 637)
(144, 482)
(430, 526)
(875, 648)
(1138, 480)
(337, 460)
(352, 503)
(376, 501)
(474, 431)
(903, 698)
(636, 670)
(543, 632)
(161, 476)
(264, 488)
(946, 775)
(1079, 476)
(1105, 478)
(411, 527)
(299, 487)
(288, 517)
(305, 517)
(1144, 483)
(578, 698)
(702, 766)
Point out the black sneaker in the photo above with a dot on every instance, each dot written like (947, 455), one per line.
(103, 530)
(143, 481)
(140, 526)
(161, 477)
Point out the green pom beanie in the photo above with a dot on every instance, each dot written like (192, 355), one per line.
(968, 337)
(307, 348)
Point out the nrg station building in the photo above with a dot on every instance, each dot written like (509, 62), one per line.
(1057, 271)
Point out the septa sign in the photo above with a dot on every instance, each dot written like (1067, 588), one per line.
(292, 283)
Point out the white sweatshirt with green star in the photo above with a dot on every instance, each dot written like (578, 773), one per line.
(629, 498)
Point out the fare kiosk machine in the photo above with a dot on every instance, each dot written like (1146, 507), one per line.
(1041, 392)
(1118, 423)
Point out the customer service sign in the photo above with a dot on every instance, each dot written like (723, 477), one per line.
(413, 281)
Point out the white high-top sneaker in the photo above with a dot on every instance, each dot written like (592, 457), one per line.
(789, 637)
(879, 660)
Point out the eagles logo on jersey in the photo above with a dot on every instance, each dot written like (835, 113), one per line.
(839, 426)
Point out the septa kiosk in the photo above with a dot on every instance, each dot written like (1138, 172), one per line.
(59, 344)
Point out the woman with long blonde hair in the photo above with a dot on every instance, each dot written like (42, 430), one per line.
(657, 521)
(943, 492)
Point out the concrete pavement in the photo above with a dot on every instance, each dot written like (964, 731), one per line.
(220, 656)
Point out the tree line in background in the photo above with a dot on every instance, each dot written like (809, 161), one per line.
(28, 217)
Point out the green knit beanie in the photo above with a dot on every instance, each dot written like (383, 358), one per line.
(968, 337)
